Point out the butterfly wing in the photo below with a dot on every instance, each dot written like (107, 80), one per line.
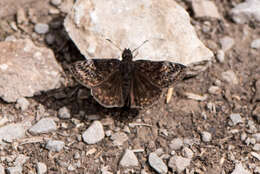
(143, 92)
(93, 72)
(110, 93)
(163, 73)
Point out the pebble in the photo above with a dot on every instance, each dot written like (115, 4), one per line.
(64, 113)
(20, 160)
(129, 159)
(50, 39)
(22, 103)
(157, 163)
(235, 118)
(41, 168)
(257, 137)
(206, 136)
(108, 133)
(14, 170)
(214, 90)
(246, 11)
(2, 169)
(220, 56)
(55, 2)
(178, 163)
(255, 44)
(119, 138)
(71, 168)
(187, 152)
(11, 131)
(41, 28)
(250, 141)
(176, 144)
(94, 133)
(226, 43)
(256, 147)
(256, 155)
(55, 145)
(243, 136)
(76, 155)
(45, 125)
(229, 77)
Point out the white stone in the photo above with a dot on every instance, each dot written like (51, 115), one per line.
(55, 145)
(229, 77)
(246, 11)
(176, 143)
(12, 131)
(56, 2)
(235, 118)
(22, 103)
(221, 56)
(41, 168)
(94, 133)
(205, 8)
(226, 43)
(157, 163)
(255, 44)
(187, 152)
(64, 113)
(239, 169)
(165, 24)
(206, 136)
(178, 163)
(256, 147)
(129, 159)
(41, 28)
(30, 70)
(214, 90)
(45, 125)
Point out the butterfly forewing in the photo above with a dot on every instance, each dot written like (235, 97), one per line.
(143, 92)
(93, 72)
(110, 93)
(162, 74)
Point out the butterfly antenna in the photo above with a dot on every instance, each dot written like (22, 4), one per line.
(114, 44)
(140, 46)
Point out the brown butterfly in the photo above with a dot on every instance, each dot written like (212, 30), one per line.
(126, 83)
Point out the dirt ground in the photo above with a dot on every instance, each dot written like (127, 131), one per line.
(182, 117)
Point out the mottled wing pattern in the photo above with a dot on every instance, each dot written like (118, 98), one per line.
(163, 73)
(109, 93)
(143, 92)
(93, 72)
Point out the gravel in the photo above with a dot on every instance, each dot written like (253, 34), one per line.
(94, 133)
(55, 145)
(129, 159)
(176, 143)
(45, 125)
(157, 163)
(235, 118)
(41, 168)
(255, 44)
(22, 103)
(206, 136)
(226, 43)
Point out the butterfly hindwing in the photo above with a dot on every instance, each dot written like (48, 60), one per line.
(109, 93)
(143, 92)
(163, 73)
(92, 72)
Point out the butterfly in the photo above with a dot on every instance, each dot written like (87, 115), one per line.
(126, 83)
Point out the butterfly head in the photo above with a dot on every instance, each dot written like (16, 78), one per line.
(127, 55)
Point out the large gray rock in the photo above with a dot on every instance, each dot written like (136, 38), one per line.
(164, 23)
(26, 69)
(246, 11)
(12, 131)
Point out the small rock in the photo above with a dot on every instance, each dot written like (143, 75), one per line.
(221, 56)
(256, 155)
(20, 160)
(71, 167)
(14, 170)
(119, 138)
(250, 141)
(21, 16)
(41, 28)
(94, 133)
(55, 145)
(206, 136)
(214, 90)
(129, 159)
(22, 103)
(45, 125)
(257, 137)
(230, 77)
(12, 131)
(252, 127)
(197, 97)
(176, 143)
(256, 147)
(108, 133)
(55, 2)
(178, 163)
(157, 163)
(187, 152)
(246, 11)
(76, 155)
(2, 169)
(243, 136)
(255, 44)
(235, 118)
(226, 43)
(41, 168)
(64, 113)
(205, 8)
